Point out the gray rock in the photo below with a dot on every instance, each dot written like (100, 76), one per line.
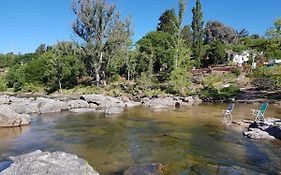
(83, 110)
(78, 104)
(256, 133)
(130, 104)
(161, 103)
(274, 131)
(9, 118)
(42, 163)
(92, 105)
(46, 105)
(154, 169)
(25, 107)
(114, 110)
(103, 101)
(4, 99)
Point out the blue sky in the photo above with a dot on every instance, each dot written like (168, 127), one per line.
(27, 23)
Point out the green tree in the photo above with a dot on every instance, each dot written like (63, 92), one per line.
(197, 32)
(275, 32)
(217, 31)
(117, 48)
(187, 35)
(155, 54)
(41, 49)
(94, 20)
(167, 22)
(215, 54)
(242, 33)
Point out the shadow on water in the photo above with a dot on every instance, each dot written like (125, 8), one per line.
(185, 141)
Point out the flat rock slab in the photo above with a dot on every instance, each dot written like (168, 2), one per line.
(42, 163)
(83, 110)
(258, 134)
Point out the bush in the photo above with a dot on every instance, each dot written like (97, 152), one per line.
(31, 87)
(272, 74)
(212, 93)
(179, 82)
(236, 71)
(3, 86)
(217, 80)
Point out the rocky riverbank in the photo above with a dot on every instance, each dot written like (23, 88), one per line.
(270, 128)
(15, 111)
(42, 163)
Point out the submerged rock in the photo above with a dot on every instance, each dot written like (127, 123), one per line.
(10, 118)
(114, 110)
(42, 163)
(154, 169)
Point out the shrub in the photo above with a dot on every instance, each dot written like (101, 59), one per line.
(217, 80)
(212, 93)
(31, 87)
(179, 82)
(236, 71)
(3, 86)
(272, 74)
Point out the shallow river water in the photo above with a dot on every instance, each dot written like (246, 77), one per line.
(186, 141)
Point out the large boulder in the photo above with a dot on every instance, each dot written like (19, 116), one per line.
(103, 101)
(10, 118)
(77, 104)
(26, 107)
(162, 103)
(46, 105)
(42, 163)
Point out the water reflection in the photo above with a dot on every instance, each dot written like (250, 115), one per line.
(186, 141)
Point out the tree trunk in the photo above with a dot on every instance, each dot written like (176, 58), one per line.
(60, 85)
(97, 69)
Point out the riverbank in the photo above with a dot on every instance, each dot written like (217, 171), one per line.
(15, 110)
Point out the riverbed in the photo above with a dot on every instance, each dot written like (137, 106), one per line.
(192, 140)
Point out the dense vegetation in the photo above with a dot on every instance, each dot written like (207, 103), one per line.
(106, 58)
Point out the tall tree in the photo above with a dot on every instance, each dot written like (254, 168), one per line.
(178, 42)
(187, 35)
(275, 32)
(197, 32)
(217, 31)
(242, 33)
(167, 22)
(117, 46)
(94, 20)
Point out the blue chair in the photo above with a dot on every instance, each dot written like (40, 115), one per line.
(259, 114)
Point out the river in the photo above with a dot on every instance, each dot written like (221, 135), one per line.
(186, 141)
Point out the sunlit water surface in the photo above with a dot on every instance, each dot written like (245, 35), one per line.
(186, 141)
